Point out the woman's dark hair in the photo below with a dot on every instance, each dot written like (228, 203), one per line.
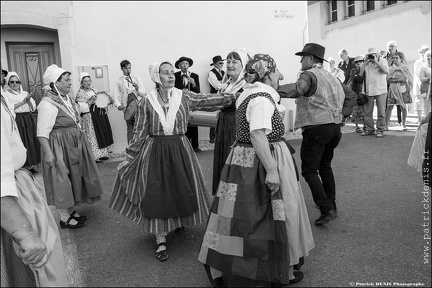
(51, 85)
(124, 63)
(4, 73)
(157, 84)
(84, 78)
(234, 55)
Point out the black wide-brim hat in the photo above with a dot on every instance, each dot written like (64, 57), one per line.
(183, 58)
(217, 59)
(313, 49)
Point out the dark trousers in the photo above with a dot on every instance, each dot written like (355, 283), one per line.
(316, 154)
(192, 135)
(129, 129)
(212, 133)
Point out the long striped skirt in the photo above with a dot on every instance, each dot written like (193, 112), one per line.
(163, 188)
(249, 233)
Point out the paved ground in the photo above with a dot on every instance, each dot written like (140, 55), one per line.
(378, 237)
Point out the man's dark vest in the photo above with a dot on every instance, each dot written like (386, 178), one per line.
(218, 76)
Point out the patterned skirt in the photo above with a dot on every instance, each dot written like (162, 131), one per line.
(89, 130)
(163, 188)
(250, 233)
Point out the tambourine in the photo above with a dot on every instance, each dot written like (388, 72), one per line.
(102, 100)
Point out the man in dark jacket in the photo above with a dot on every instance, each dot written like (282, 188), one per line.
(346, 65)
(186, 80)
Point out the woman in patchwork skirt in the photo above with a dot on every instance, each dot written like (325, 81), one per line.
(258, 230)
(160, 185)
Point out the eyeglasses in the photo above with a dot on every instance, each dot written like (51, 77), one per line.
(15, 82)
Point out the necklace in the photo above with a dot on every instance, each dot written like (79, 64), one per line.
(160, 96)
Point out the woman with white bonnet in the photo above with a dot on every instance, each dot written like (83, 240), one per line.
(160, 186)
(95, 122)
(338, 73)
(24, 105)
(69, 170)
(258, 230)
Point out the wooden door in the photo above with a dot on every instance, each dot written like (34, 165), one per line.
(29, 61)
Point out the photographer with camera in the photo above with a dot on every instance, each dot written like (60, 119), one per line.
(374, 72)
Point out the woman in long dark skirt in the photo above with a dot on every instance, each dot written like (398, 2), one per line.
(24, 105)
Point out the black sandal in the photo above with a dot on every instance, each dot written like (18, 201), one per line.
(67, 224)
(78, 218)
(162, 255)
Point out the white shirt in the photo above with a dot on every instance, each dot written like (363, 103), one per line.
(15, 97)
(47, 115)
(212, 79)
(260, 109)
(376, 79)
(123, 87)
(13, 153)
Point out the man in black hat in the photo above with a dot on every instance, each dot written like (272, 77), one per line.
(186, 80)
(322, 108)
(215, 77)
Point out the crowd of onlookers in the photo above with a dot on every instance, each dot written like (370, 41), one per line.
(387, 81)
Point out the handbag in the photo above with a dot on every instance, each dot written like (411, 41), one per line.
(362, 98)
(132, 105)
(406, 97)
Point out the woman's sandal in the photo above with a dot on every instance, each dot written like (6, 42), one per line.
(78, 218)
(67, 224)
(358, 130)
(162, 255)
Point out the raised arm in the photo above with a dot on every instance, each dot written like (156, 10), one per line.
(209, 101)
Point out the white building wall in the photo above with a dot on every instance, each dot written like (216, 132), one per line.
(145, 32)
(408, 23)
(105, 33)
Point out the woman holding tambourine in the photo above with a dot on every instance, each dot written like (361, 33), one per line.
(95, 124)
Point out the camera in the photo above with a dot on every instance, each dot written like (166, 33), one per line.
(370, 56)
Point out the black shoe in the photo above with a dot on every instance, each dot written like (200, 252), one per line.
(162, 255)
(104, 158)
(67, 224)
(325, 218)
(298, 277)
(78, 218)
(33, 171)
(334, 206)
(197, 150)
(300, 264)
(219, 282)
(98, 161)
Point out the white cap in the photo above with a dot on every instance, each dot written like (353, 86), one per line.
(52, 73)
(82, 75)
